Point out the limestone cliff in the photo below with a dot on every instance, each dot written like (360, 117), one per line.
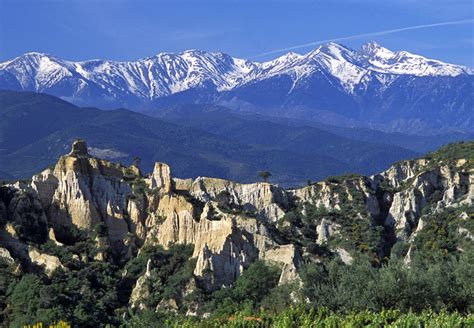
(230, 224)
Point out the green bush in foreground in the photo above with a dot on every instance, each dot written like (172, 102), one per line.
(305, 317)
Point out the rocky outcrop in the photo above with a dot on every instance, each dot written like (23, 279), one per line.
(326, 229)
(286, 256)
(224, 244)
(330, 195)
(79, 149)
(400, 173)
(417, 187)
(5, 255)
(48, 262)
(141, 291)
(161, 178)
(230, 224)
(267, 201)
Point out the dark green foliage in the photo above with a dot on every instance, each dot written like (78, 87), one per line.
(265, 175)
(70, 234)
(342, 178)
(29, 221)
(7, 277)
(92, 293)
(171, 270)
(248, 292)
(150, 318)
(255, 282)
(439, 283)
(453, 151)
(137, 183)
(384, 186)
(361, 234)
(440, 232)
(24, 296)
(280, 297)
(84, 295)
(100, 230)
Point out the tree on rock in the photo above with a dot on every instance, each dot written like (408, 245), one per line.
(136, 161)
(265, 175)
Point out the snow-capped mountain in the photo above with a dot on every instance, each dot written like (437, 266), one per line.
(331, 78)
(149, 78)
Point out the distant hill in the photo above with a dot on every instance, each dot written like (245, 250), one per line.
(263, 131)
(35, 129)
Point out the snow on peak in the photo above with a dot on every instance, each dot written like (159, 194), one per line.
(375, 50)
(378, 58)
(334, 48)
(168, 73)
(340, 62)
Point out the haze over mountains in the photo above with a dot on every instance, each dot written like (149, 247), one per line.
(199, 140)
(371, 87)
(35, 129)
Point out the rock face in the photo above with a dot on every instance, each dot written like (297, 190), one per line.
(50, 263)
(161, 178)
(5, 255)
(230, 224)
(90, 191)
(326, 229)
(416, 187)
(79, 149)
(268, 201)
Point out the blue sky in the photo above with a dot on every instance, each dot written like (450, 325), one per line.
(129, 30)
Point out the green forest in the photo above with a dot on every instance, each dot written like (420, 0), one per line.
(434, 289)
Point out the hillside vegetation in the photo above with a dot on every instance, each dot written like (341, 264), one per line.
(36, 129)
(395, 249)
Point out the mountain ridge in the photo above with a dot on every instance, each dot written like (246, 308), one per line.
(36, 128)
(372, 87)
(234, 72)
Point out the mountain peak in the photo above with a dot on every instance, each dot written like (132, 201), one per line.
(36, 54)
(374, 56)
(333, 47)
(168, 73)
(288, 57)
(194, 52)
(373, 49)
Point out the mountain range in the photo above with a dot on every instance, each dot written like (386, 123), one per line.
(370, 87)
(35, 129)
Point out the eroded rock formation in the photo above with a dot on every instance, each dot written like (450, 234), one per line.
(230, 224)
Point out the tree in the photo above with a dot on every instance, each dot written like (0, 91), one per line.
(265, 175)
(136, 161)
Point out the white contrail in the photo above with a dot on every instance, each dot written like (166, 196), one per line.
(356, 36)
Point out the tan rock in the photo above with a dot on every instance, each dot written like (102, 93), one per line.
(344, 255)
(5, 255)
(161, 178)
(79, 148)
(288, 257)
(325, 229)
(182, 184)
(48, 262)
(167, 306)
(268, 201)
